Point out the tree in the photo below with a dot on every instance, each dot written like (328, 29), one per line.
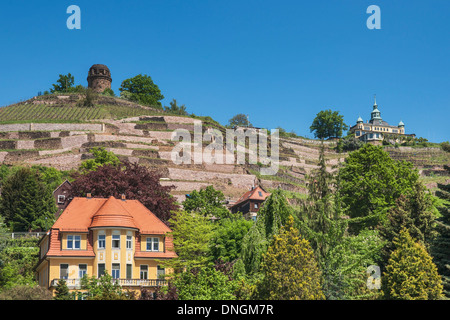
(272, 215)
(204, 283)
(413, 213)
(142, 90)
(63, 84)
(289, 268)
(17, 265)
(239, 120)
(192, 234)
(410, 273)
(328, 124)
(176, 109)
(26, 202)
(104, 288)
(345, 271)
(62, 291)
(101, 157)
(440, 248)
(370, 183)
(254, 244)
(130, 179)
(208, 202)
(228, 237)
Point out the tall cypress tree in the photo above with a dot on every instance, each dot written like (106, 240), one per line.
(440, 249)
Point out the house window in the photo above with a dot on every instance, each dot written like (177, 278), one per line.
(129, 242)
(260, 194)
(116, 241)
(358, 133)
(73, 242)
(256, 206)
(115, 272)
(160, 272)
(129, 271)
(61, 198)
(144, 272)
(152, 244)
(64, 271)
(100, 269)
(82, 270)
(101, 241)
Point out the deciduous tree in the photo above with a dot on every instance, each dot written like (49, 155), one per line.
(130, 179)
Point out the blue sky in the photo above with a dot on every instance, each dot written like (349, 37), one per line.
(280, 62)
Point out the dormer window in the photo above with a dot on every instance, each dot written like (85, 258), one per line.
(153, 244)
(73, 242)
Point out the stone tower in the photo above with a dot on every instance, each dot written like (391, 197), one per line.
(99, 78)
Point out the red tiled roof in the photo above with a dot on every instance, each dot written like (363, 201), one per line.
(257, 193)
(84, 213)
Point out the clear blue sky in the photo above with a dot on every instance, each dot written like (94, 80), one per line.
(281, 62)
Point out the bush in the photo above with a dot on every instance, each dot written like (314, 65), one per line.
(108, 92)
(445, 146)
(24, 292)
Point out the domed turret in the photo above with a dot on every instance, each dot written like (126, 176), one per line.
(401, 124)
(99, 78)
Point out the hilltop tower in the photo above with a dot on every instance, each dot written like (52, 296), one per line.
(99, 78)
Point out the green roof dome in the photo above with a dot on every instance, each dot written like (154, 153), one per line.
(359, 120)
(401, 124)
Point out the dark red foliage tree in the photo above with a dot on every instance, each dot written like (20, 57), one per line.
(134, 181)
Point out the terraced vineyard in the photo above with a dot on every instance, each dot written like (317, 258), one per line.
(51, 109)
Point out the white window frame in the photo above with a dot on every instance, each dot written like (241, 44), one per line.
(115, 273)
(151, 242)
(63, 199)
(114, 240)
(82, 271)
(129, 242)
(72, 241)
(143, 274)
(101, 242)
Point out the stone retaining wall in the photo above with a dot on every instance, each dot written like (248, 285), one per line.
(98, 127)
(237, 180)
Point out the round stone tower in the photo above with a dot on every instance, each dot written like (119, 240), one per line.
(99, 78)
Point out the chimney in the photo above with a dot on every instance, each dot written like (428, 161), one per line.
(123, 197)
(89, 195)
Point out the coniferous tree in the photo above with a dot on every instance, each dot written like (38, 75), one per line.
(440, 249)
(410, 273)
(62, 291)
(290, 270)
(413, 213)
(320, 222)
(272, 215)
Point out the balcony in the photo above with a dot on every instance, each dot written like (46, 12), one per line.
(76, 283)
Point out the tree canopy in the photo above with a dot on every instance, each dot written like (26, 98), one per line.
(328, 124)
(130, 179)
(141, 89)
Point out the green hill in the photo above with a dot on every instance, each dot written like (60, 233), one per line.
(69, 108)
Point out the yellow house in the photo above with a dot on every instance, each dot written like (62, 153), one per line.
(97, 235)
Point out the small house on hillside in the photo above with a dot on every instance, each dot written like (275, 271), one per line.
(250, 202)
(61, 195)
